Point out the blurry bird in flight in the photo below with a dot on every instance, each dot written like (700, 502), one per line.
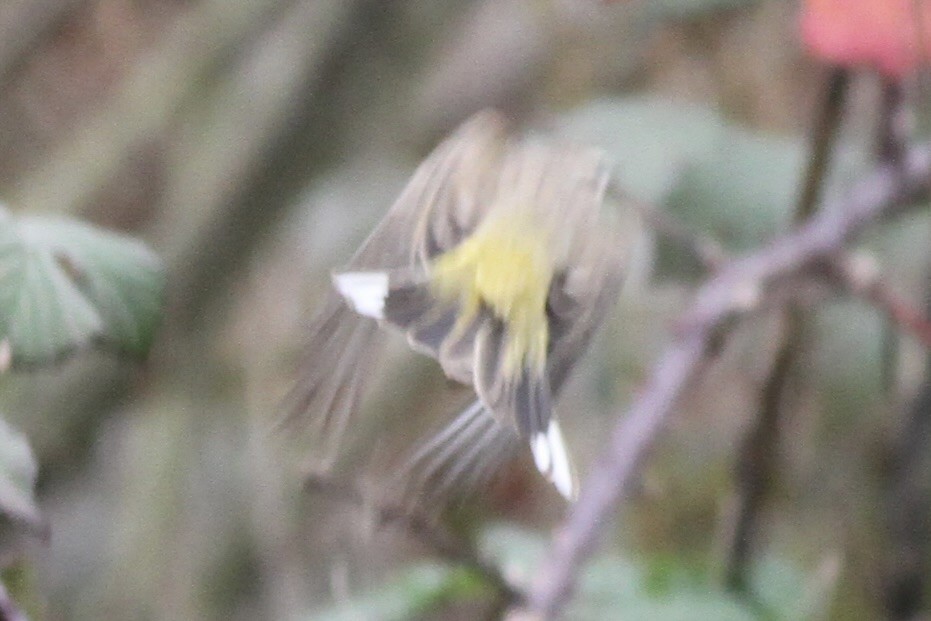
(497, 260)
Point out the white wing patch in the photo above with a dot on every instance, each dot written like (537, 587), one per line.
(365, 291)
(552, 460)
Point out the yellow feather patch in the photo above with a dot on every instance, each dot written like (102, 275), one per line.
(505, 266)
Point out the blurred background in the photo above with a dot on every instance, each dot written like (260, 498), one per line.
(254, 143)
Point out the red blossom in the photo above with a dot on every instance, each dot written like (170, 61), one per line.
(886, 34)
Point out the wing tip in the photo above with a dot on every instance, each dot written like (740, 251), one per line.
(365, 291)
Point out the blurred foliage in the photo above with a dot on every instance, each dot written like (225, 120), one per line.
(20, 515)
(417, 591)
(719, 179)
(651, 140)
(252, 144)
(66, 285)
(611, 588)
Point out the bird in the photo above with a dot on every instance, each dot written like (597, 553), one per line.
(499, 259)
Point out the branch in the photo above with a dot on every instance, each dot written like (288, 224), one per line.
(443, 543)
(9, 611)
(857, 273)
(736, 289)
(860, 275)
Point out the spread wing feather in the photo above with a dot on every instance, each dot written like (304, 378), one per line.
(468, 451)
(458, 171)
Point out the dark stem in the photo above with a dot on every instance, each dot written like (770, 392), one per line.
(908, 504)
(871, 285)
(825, 132)
(893, 130)
(757, 461)
(890, 144)
(908, 474)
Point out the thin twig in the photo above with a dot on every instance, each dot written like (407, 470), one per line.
(891, 138)
(856, 273)
(736, 289)
(894, 122)
(443, 543)
(859, 274)
(758, 458)
(703, 247)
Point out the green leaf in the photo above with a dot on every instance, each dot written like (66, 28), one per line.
(606, 582)
(65, 285)
(788, 592)
(730, 181)
(742, 191)
(711, 606)
(516, 551)
(650, 140)
(848, 361)
(417, 591)
(736, 185)
(19, 513)
(614, 588)
(611, 588)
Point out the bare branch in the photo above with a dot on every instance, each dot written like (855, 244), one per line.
(736, 289)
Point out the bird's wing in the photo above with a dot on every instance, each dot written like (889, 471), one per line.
(460, 457)
(585, 291)
(452, 180)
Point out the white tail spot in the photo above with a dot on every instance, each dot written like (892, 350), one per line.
(552, 459)
(365, 291)
(541, 453)
(562, 469)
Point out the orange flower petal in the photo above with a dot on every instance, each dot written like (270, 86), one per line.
(885, 34)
